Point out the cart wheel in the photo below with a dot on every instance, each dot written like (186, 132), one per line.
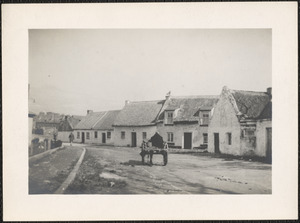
(165, 159)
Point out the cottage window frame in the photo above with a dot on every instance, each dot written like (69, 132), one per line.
(144, 135)
(96, 135)
(123, 135)
(108, 135)
(170, 136)
(204, 118)
(87, 135)
(78, 135)
(169, 117)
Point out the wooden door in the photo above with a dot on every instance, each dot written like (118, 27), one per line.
(133, 139)
(269, 145)
(216, 142)
(187, 140)
(82, 137)
(103, 137)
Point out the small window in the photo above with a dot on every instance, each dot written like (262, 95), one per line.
(78, 135)
(205, 138)
(204, 120)
(144, 135)
(87, 135)
(169, 117)
(108, 135)
(170, 136)
(122, 135)
(96, 135)
(229, 138)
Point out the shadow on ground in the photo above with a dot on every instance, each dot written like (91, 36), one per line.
(139, 163)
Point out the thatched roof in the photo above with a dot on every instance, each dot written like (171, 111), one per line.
(186, 109)
(249, 104)
(74, 120)
(106, 122)
(142, 113)
(98, 121)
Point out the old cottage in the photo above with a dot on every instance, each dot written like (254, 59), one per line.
(96, 128)
(66, 126)
(241, 123)
(136, 122)
(183, 121)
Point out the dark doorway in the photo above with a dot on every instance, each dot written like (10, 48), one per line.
(187, 140)
(82, 137)
(269, 146)
(216, 143)
(133, 139)
(103, 137)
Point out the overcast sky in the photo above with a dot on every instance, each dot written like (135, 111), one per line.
(71, 71)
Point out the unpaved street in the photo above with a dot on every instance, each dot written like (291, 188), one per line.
(113, 170)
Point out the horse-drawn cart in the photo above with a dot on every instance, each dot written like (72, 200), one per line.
(154, 146)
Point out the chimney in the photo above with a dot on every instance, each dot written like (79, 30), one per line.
(127, 102)
(168, 95)
(269, 92)
(89, 112)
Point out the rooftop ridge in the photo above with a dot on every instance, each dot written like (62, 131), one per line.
(130, 102)
(244, 91)
(196, 96)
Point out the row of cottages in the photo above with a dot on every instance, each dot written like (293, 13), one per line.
(181, 121)
(242, 124)
(96, 128)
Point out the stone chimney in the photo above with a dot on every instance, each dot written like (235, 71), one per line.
(168, 95)
(89, 111)
(269, 92)
(127, 102)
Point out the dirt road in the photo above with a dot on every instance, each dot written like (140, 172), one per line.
(113, 170)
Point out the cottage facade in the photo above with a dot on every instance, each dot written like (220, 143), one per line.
(136, 122)
(183, 121)
(241, 124)
(67, 126)
(96, 128)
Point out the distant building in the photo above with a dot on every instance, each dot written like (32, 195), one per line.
(96, 128)
(241, 123)
(49, 121)
(66, 126)
(136, 122)
(183, 121)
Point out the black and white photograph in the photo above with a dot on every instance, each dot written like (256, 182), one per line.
(150, 111)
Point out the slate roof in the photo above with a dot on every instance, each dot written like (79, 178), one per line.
(253, 104)
(186, 109)
(98, 121)
(140, 113)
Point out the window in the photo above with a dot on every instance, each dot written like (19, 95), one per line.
(170, 136)
(108, 135)
(78, 135)
(169, 117)
(229, 138)
(96, 135)
(144, 135)
(204, 120)
(87, 135)
(205, 138)
(122, 135)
